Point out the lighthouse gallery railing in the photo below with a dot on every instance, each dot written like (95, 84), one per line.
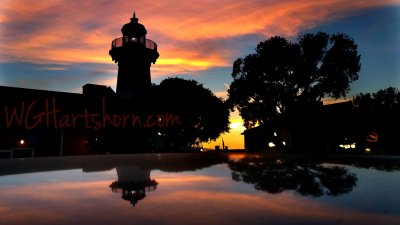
(118, 42)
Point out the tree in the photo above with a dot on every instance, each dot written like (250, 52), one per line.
(170, 116)
(379, 113)
(308, 178)
(386, 101)
(283, 78)
(202, 115)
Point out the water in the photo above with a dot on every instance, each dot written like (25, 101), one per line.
(200, 189)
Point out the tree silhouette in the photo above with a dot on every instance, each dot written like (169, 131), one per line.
(287, 81)
(275, 175)
(174, 115)
(386, 101)
(202, 115)
(380, 113)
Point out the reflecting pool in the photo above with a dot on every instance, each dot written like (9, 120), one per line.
(204, 188)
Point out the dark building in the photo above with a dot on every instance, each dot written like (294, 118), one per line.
(134, 54)
(48, 123)
(339, 128)
(52, 123)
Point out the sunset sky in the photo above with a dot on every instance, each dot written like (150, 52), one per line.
(61, 45)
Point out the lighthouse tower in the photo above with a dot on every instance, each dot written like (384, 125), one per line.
(134, 55)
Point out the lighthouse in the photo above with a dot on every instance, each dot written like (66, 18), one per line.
(134, 54)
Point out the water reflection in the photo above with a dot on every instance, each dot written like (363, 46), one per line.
(163, 162)
(133, 182)
(275, 175)
(198, 188)
(387, 165)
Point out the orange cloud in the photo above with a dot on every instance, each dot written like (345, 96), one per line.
(190, 35)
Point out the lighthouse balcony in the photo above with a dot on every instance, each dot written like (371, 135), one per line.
(119, 42)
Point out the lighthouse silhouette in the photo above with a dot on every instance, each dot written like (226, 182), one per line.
(134, 54)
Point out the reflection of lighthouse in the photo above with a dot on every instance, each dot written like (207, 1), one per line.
(133, 182)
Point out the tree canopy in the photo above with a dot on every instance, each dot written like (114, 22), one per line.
(202, 115)
(170, 116)
(379, 113)
(283, 76)
(385, 101)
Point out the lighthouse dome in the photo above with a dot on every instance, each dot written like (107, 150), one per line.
(134, 29)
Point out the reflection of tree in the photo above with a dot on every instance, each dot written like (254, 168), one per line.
(306, 178)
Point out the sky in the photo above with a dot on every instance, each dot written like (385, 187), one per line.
(61, 45)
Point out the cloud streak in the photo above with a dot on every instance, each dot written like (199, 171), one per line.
(191, 35)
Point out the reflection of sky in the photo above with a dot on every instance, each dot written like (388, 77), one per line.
(75, 175)
(376, 192)
(207, 196)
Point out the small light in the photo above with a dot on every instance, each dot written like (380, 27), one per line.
(271, 144)
(159, 134)
(353, 146)
(96, 139)
(346, 146)
(284, 143)
(367, 150)
(22, 142)
(275, 134)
